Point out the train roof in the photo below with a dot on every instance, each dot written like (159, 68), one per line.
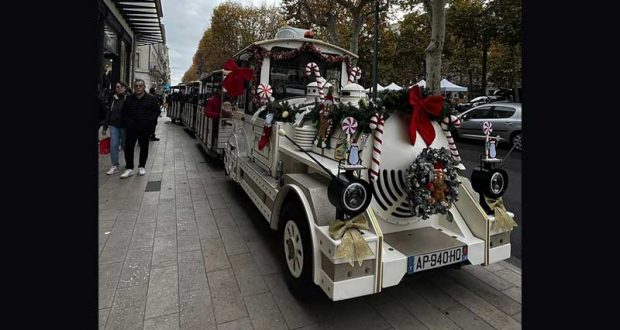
(288, 37)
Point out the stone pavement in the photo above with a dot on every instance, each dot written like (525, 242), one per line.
(194, 253)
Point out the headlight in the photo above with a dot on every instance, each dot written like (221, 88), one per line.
(491, 182)
(349, 194)
(354, 196)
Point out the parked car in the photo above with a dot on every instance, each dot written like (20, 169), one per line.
(475, 102)
(504, 116)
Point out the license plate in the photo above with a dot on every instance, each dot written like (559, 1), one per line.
(436, 259)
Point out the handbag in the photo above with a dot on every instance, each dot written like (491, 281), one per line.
(104, 146)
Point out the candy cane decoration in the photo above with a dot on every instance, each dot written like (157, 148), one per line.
(355, 74)
(264, 91)
(320, 82)
(349, 127)
(376, 123)
(487, 128)
(456, 122)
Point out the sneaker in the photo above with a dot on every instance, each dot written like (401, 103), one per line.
(141, 171)
(154, 139)
(113, 170)
(127, 174)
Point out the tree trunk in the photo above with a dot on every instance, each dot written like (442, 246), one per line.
(435, 47)
(332, 30)
(355, 30)
(485, 56)
(515, 73)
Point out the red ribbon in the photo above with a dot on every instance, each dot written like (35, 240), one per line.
(234, 80)
(420, 120)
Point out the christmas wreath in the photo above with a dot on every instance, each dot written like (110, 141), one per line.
(431, 183)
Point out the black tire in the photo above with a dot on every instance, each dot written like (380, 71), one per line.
(301, 286)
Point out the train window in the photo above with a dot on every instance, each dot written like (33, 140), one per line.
(287, 77)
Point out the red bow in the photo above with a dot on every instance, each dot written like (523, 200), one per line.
(234, 80)
(419, 118)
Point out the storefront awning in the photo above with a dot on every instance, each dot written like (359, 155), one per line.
(144, 18)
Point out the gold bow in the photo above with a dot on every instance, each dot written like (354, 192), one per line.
(503, 221)
(353, 246)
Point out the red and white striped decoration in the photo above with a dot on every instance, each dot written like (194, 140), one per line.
(376, 123)
(355, 74)
(264, 91)
(349, 125)
(487, 127)
(313, 68)
(456, 122)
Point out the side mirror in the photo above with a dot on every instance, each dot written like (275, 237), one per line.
(464, 117)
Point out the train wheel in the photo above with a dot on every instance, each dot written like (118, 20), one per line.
(297, 252)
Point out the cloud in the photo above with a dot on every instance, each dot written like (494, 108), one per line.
(186, 21)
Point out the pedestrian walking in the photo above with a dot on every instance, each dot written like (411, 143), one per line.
(152, 137)
(114, 120)
(140, 110)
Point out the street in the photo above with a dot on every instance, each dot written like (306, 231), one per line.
(470, 151)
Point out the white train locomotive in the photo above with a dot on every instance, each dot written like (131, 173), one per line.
(355, 211)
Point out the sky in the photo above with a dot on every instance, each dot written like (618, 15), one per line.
(185, 22)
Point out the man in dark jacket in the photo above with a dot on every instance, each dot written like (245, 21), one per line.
(140, 110)
(152, 136)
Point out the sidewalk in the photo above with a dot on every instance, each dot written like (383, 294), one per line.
(184, 248)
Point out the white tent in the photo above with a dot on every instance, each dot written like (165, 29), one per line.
(446, 86)
(393, 87)
(379, 88)
(450, 87)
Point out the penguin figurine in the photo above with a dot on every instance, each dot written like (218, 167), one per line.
(492, 148)
(354, 157)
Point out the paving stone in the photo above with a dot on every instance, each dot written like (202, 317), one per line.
(265, 257)
(164, 251)
(128, 308)
(264, 312)
(494, 267)
(207, 228)
(398, 317)
(103, 317)
(517, 317)
(216, 201)
(115, 248)
(214, 254)
(148, 213)
(150, 198)
(510, 276)
(136, 268)
(164, 322)
(495, 297)
(479, 306)
(422, 310)
(192, 275)
(166, 208)
(514, 293)
(492, 279)
(108, 278)
(223, 218)
(233, 242)
(166, 226)
(143, 235)
(240, 324)
(227, 301)
(355, 314)
(248, 276)
(163, 292)
(296, 313)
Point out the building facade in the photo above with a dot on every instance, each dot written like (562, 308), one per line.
(152, 64)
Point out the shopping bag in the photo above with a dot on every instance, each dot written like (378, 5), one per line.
(104, 146)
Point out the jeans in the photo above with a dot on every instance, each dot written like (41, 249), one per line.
(142, 136)
(117, 139)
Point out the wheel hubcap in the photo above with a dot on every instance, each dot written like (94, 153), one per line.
(293, 249)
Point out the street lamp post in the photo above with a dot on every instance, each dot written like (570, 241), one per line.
(375, 56)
